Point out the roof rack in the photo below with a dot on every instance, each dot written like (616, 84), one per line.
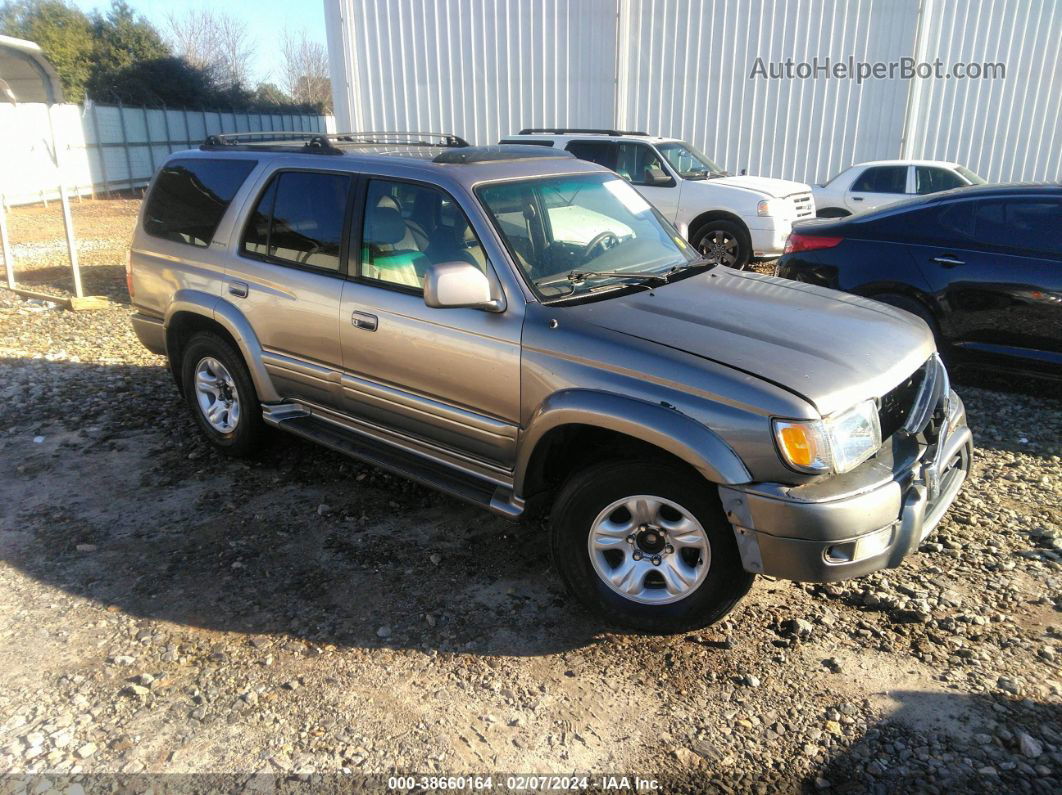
(488, 154)
(326, 143)
(578, 130)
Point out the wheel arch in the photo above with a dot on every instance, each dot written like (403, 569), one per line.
(571, 428)
(707, 216)
(192, 311)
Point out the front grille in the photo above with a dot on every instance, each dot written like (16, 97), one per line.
(803, 205)
(896, 405)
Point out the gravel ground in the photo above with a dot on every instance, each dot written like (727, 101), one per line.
(164, 610)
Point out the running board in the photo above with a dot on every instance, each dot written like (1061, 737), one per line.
(463, 485)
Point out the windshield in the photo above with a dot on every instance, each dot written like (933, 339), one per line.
(971, 177)
(582, 224)
(688, 162)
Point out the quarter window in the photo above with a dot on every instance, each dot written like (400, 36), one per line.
(882, 179)
(410, 227)
(932, 180)
(190, 196)
(602, 153)
(299, 219)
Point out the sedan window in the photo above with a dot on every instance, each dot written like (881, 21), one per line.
(882, 179)
(929, 179)
(1032, 225)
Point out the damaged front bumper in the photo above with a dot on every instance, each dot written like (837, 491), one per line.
(848, 525)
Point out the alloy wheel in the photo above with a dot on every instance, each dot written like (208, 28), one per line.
(649, 549)
(216, 393)
(720, 247)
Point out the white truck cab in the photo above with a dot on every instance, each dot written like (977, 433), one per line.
(731, 220)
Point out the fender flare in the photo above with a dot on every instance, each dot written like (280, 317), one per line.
(232, 320)
(654, 423)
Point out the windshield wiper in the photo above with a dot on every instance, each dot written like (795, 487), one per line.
(578, 277)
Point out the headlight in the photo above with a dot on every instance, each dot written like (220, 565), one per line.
(836, 444)
(772, 207)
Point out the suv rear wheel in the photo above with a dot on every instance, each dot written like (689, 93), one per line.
(723, 242)
(647, 546)
(221, 395)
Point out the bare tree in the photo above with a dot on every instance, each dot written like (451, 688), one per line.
(304, 70)
(214, 41)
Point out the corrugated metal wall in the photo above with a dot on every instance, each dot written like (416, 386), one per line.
(483, 69)
(478, 68)
(1004, 130)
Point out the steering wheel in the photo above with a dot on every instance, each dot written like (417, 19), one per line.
(605, 240)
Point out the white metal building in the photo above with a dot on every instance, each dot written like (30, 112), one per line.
(486, 68)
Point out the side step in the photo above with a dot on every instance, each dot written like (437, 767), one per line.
(434, 475)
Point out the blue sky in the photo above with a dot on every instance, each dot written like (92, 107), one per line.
(266, 21)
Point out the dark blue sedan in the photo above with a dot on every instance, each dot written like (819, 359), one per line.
(981, 265)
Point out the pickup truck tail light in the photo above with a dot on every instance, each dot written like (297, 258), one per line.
(129, 272)
(798, 242)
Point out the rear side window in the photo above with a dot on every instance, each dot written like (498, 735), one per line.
(190, 197)
(882, 179)
(929, 179)
(299, 219)
(1026, 225)
(604, 154)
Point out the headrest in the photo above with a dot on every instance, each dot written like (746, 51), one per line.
(388, 201)
(385, 226)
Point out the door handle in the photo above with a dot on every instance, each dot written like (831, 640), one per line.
(857, 198)
(948, 262)
(238, 289)
(364, 320)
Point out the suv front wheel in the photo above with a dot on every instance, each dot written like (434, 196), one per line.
(647, 546)
(221, 395)
(723, 242)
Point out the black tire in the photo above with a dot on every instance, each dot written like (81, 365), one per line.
(592, 490)
(721, 231)
(832, 212)
(249, 431)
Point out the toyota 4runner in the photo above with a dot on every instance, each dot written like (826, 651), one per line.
(521, 329)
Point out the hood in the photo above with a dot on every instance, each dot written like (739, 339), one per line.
(779, 188)
(831, 348)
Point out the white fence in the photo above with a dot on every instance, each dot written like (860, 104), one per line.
(485, 68)
(104, 148)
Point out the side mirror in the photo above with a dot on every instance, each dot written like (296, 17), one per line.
(656, 177)
(450, 285)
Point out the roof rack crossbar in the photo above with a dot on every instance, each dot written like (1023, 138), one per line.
(328, 143)
(578, 130)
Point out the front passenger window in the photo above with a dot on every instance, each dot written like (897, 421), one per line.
(640, 165)
(410, 227)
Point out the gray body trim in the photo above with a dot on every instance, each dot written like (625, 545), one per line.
(661, 427)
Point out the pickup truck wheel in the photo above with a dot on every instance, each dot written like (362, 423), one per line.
(723, 242)
(221, 395)
(647, 546)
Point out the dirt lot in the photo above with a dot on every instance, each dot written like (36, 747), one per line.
(165, 610)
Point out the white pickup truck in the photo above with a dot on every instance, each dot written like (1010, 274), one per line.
(731, 220)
